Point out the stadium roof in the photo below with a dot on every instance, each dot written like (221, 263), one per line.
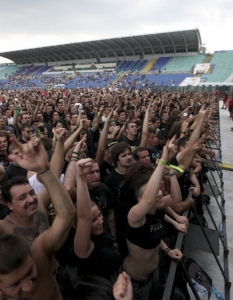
(157, 43)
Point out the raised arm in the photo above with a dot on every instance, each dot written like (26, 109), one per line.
(96, 122)
(16, 124)
(71, 139)
(145, 127)
(57, 164)
(70, 175)
(34, 158)
(175, 193)
(103, 139)
(137, 213)
(83, 245)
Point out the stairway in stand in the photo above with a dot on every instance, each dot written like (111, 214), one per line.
(147, 68)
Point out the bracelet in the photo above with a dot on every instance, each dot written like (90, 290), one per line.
(176, 168)
(44, 171)
(162, 162)
(73, 158)
(167, 250)
(76, 152)
(171, 174)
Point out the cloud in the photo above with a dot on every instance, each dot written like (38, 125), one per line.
(28, 24)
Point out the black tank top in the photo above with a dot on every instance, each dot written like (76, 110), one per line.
(150, 234)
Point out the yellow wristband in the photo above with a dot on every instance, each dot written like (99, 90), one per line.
(162, 162)
(176, 168)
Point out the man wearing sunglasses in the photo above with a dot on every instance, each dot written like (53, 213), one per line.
(26, 132)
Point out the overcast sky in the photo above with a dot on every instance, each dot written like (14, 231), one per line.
(28, 24)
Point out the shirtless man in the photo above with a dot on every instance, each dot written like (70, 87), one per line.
(27, 273)
(28, 217)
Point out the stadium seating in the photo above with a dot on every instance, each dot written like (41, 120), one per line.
(138, 66)
(222, 63)
(42, 70)
(173, 71)
(155, 80)
(121, 65)
(160, 63)
(33, 70)
(22, 71)
(183, 63)
(9, 71)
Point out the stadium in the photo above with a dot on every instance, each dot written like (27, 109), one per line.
(161, 61)
(143, 78)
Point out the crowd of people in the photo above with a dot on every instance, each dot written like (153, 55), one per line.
(96, 180)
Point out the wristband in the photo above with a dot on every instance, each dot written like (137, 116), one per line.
(176, 168)
(75, 152)
(162, 162)
(171, 174)
(167, 250)
(73, 158)
(44, 171)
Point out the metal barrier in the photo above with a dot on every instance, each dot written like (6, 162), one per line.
(215, 191)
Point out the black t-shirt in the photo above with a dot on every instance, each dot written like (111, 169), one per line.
(119, 124)
(103, 260)
(114, 181)
(105, 169)
(46, 117)
(133, 144)
(61, 115)
(12, 171)
(162, 126)
(4, 161)
(154, 154)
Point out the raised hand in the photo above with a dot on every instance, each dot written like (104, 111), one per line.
(122, 289)
(84, 167)
(81, 146)
(110, 115)
(165, 155)
(60, 134)
(34, 157)
(172, 149)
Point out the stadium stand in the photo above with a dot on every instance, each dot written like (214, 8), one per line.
(9, 71)
(41, 70)
(154, 80)
(222, 64)
(183, 63)
(149, 65)
(161, 63)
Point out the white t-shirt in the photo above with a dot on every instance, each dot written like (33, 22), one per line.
(36, 185)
